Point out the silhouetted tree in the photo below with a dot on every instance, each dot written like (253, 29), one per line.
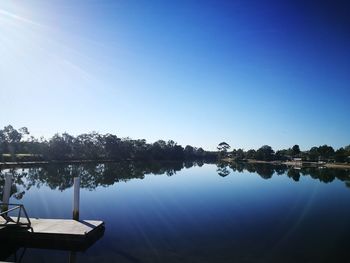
(295, 150)
(189, 151)
(282, 155)
(340, 155)
(251, 154)
(10, 139)
(113, 146)
(313, 154)
(265, 153)
(60, 147)
(239, 154)
(326, 152)
(223, 147)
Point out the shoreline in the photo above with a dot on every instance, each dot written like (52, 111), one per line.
(21, 164)
(295, 164)
(337, 165)
(226, 160)
(4, 165)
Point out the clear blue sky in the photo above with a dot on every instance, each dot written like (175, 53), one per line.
(198, 72)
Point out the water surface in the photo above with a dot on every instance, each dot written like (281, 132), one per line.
(175, 212)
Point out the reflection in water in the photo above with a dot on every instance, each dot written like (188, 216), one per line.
(266, 171)
(222, 170)
(60, 176)
(199, 217)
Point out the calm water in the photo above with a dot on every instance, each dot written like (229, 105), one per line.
(172, 212)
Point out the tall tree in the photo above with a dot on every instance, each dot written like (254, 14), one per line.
(326, 152)
(265, 153)
(295, 150)
(223, 147)
(340, 155)
(10, 139)
(251, 154)
(239, 154)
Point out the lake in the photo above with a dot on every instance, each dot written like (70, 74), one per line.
(192, 212)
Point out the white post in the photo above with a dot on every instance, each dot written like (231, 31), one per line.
(7, 191)
(76, 199)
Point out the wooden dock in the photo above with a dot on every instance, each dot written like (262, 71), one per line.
(54, 233)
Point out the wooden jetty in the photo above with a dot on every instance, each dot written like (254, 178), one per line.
(64, 234)
(53, 233)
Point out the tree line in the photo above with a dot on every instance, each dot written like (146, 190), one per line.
(324, 153)
(19, 145)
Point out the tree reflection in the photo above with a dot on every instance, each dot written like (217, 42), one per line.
(60, 176)
(223, 172)
(294, 174)
(347, 183)
(267, 171)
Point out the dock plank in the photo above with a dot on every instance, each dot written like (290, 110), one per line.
(63, 226)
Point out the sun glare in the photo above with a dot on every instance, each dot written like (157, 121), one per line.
(11, 17)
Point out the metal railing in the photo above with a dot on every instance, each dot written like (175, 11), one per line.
(11, 221)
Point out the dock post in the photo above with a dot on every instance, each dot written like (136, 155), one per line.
(7, 192)
(76, 199)
(72, 257)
